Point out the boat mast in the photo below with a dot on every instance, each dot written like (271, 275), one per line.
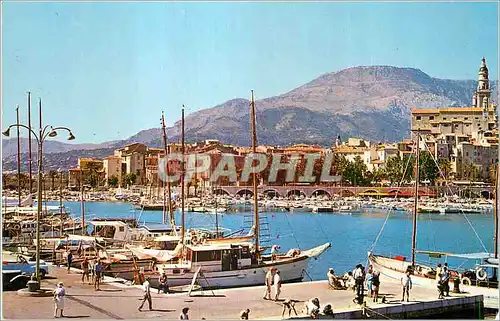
(254, 177)
(83, 201)
(18, 160)
(182, 177)
(415, 205)
(29, 143)
(495, 213)
(60, 203)
(169, 190)
(216, 218)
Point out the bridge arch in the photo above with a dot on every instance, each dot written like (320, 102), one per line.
(244, 192)
(486, 194)
(271, 192)
(221, 191)
(320, 192)
(346, 193)
(295, 192)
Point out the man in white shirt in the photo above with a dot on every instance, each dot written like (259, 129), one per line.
(274, 252)
(359, 278)
(269, 283)
(406, 283)
(147, 294)
(277, 284)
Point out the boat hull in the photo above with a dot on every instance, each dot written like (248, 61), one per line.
(292, 271)
(395, 269)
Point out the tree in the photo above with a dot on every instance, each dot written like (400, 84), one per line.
(493, 173)
(129, 179)
(52, 175)
(94, 176)
(355, 172)
(377, 175)
(470, 172)
(113, 181)
(445, 167)
(428, 168)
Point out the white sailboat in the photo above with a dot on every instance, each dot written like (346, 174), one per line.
(236, 261)
(424, 275)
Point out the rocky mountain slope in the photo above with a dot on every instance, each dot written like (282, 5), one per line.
(369, 102)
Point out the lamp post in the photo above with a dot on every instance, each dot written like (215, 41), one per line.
(43, 133)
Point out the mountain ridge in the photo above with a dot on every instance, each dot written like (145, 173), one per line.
(372, 102)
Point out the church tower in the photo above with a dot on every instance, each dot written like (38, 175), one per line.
(482, 95)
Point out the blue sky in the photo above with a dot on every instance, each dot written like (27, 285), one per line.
(107, 70)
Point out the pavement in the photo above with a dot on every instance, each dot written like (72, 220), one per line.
(119, 301)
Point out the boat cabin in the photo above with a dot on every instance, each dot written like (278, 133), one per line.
(116, 230)
(152, 231)
(221, 257)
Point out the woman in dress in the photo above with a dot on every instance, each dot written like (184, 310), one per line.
(59, 294)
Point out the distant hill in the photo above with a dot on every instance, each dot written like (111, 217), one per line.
(369, 102)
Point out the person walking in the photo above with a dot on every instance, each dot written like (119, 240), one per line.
(98, 275)
(376, 285)
(359, 279)
(85, 270)
(439, 281)
(407, 285)
(369, 279)
(184, 315)
(146, 286)
(277, 285)
(59, 294)
(163, 283)
(269, 283)
(446, 280)
(69, 259)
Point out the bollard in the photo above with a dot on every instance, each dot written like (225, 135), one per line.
(456, 285)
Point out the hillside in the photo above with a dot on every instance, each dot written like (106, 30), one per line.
(368, 102)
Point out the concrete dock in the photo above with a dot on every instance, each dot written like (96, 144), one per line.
(119, 301)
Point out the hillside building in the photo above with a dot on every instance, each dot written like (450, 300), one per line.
(464, 136)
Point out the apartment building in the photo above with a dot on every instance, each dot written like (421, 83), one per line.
(462, 135)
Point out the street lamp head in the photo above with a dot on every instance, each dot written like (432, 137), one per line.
(53, 133)
(6, 132)
(71, 136)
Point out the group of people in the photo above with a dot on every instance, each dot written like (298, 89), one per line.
(357, 280)
(443, 280)
(146, 288)
(273, 278)
(92, 270)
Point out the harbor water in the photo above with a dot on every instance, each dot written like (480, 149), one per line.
(351, 234)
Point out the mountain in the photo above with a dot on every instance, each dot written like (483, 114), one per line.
(369, 102)
(9, 146)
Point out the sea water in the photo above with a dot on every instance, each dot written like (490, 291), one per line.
(352, 235)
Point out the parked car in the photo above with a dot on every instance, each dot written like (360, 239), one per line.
(26, 265)
(14, 280)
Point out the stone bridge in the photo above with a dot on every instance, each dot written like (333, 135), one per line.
(330, 191)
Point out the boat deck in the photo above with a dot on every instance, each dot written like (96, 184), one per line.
(82, 301)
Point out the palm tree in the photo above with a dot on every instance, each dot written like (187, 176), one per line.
(52, 175)
(5, 179)
(445, 167)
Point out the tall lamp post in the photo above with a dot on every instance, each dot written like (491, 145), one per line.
(43, 133)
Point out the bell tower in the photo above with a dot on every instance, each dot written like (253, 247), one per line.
(482, 95)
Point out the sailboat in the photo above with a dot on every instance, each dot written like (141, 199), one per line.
(235, 261)
(424, 275)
